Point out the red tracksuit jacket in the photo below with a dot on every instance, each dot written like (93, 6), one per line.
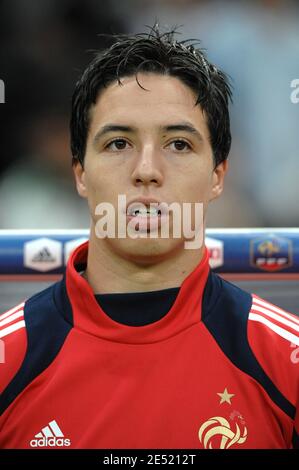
(219, 370)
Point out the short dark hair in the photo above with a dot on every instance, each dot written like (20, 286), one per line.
(160, 53)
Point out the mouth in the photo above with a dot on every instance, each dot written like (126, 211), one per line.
(148, 212)
(146, 217)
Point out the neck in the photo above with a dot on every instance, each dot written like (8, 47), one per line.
(108, 272)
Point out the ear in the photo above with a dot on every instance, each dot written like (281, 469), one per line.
(79, 174)
(218, 179)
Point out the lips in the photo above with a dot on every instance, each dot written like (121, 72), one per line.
(146, 207)
(140, 210)
(147, 213)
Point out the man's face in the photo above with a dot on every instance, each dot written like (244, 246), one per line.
(154, 143)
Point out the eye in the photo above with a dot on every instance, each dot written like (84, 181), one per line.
(180, 145)
(117, 144)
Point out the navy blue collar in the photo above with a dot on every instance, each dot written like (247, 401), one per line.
(138, 308)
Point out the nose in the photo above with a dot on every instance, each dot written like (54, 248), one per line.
(148, 167)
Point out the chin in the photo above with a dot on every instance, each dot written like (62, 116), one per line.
(146, 250)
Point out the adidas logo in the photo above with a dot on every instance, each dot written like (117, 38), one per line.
(43, 255)
(50, 436)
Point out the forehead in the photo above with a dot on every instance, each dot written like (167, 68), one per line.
(159, 100)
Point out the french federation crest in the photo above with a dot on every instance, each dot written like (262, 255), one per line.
(218, 433)
(271, 253)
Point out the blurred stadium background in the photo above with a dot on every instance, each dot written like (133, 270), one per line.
(45, 45)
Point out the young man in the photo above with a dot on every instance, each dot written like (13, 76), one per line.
(141, 345)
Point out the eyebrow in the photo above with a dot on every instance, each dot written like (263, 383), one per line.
(183, 127)
(112, 128)
(179, 127)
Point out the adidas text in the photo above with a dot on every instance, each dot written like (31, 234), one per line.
(50, 442)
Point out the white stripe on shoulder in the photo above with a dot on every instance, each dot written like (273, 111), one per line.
(275, 316)
(12, 310)
(12, 328)
(273, 308)
(12, 317)
(277, 329)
